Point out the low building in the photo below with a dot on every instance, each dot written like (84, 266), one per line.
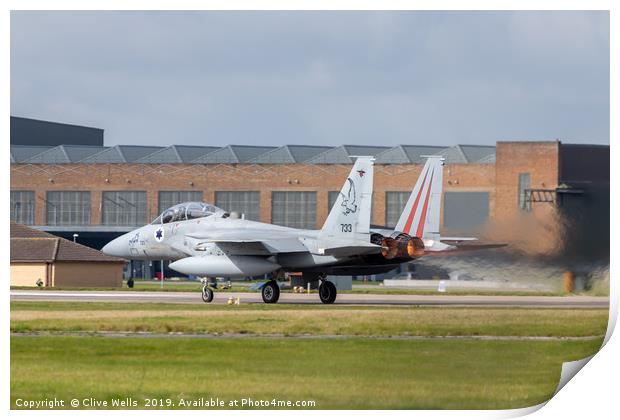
(41, 259)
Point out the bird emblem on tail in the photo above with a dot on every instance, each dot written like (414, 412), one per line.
(349, 203)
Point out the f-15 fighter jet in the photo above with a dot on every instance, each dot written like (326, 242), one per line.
(204, 240)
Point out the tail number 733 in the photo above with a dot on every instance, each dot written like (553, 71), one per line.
(346, 227)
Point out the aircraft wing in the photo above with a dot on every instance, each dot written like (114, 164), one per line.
(260, 247)
(249, 242)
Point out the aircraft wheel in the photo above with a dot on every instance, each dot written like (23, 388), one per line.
(207, 294)
(271, 292)
(327, 292)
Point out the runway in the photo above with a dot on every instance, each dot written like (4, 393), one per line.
(221, 297)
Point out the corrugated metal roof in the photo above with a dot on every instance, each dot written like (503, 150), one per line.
(65, 154)
(469, 154)
(279, 155)
(407, 154)
(332, 156)
(305, 153)
(54, 155)
(247, 153)
(415, 152)
(177, 154)
(20, 154)
(77, 153)
(356, 150)
(135, 153)
(453, 155)
(475, 154)
(394, 155)
(487, 159)
(290, 154)
(109, 155)
(189, 153)
(401, 154)
(121, 154)
(234, 154)
(222, 155)
(340, 155)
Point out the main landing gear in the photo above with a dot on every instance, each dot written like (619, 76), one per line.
(327, 291)
(271, 292)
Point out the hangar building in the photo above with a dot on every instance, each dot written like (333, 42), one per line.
(519, 191)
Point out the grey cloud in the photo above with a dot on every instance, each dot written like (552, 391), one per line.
(315, 77)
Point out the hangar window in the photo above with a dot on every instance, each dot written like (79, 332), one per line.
(246, 203)
(123, 208)
(67, 208)
(465, 211)
(22, 207)
(168, 199)
(525, 183)
(296, 209)
(395, 202)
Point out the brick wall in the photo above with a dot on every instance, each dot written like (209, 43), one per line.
(97, 178)
(538, 229)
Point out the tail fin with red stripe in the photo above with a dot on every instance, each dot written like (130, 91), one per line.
(421, 214)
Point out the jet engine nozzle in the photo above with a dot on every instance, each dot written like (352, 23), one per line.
(407, 247)
(389, 248)
(415, 247)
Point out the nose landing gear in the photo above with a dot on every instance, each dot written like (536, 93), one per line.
(207, 294)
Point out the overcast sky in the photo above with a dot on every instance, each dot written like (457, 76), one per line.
(273, 78)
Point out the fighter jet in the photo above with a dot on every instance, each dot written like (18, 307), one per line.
(204, 240)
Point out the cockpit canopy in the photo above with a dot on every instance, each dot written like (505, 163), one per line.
(188, 211)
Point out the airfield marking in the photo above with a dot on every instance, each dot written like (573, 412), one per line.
(343, 299)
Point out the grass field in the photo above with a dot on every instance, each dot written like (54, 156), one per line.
(339, 357)
(306, 319)
(356, 373)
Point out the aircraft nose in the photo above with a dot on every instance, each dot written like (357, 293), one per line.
(117, 247)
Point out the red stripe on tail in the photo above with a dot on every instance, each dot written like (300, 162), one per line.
(422, 221)
(415, 206)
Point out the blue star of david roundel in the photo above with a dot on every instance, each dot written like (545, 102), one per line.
(159, 234)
